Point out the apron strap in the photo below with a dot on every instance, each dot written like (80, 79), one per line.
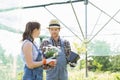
(39, 53)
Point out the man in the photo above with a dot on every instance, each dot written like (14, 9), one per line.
(59, 72)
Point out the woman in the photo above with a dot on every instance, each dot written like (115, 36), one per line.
(31, 54)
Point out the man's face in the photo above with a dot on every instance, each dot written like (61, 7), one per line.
(54, 32)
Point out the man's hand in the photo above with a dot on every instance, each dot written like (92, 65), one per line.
(49, 63)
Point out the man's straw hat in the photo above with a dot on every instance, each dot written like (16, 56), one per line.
(54, 24)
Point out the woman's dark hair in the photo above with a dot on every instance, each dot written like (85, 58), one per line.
(30, 26)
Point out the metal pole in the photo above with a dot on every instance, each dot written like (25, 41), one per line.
(86, 3)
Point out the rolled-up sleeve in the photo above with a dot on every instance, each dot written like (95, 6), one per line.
(67, 47)
(44, 43)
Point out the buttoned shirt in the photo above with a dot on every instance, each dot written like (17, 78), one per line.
(67, 47)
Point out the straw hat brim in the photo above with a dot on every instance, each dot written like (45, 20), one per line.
(53, 27)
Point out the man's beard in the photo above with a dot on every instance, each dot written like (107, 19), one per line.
(55, 35)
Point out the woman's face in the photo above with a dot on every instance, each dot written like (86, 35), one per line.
(36, 33)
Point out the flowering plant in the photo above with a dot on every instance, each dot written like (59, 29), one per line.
(51, 52)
